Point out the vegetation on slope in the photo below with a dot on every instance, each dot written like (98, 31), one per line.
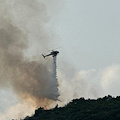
(107, 108)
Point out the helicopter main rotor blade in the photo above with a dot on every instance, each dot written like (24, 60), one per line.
(55, 48)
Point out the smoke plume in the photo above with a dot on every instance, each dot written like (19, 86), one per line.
(91, 83)
(30, 80)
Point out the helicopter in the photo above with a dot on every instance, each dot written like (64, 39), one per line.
(53, 53)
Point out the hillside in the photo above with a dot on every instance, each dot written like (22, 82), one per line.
(107, 108)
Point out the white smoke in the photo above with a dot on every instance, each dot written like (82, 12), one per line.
(110, 80)
(90, 84)
(18, 111)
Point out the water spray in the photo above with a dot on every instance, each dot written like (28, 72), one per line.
(54, 73)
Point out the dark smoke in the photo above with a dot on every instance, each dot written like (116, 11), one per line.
(29, 79)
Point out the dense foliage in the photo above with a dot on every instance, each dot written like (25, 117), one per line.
(107, 108)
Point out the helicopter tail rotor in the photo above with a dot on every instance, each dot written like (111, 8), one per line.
(43, 55)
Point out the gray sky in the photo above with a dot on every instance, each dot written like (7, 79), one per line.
(89, 32)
